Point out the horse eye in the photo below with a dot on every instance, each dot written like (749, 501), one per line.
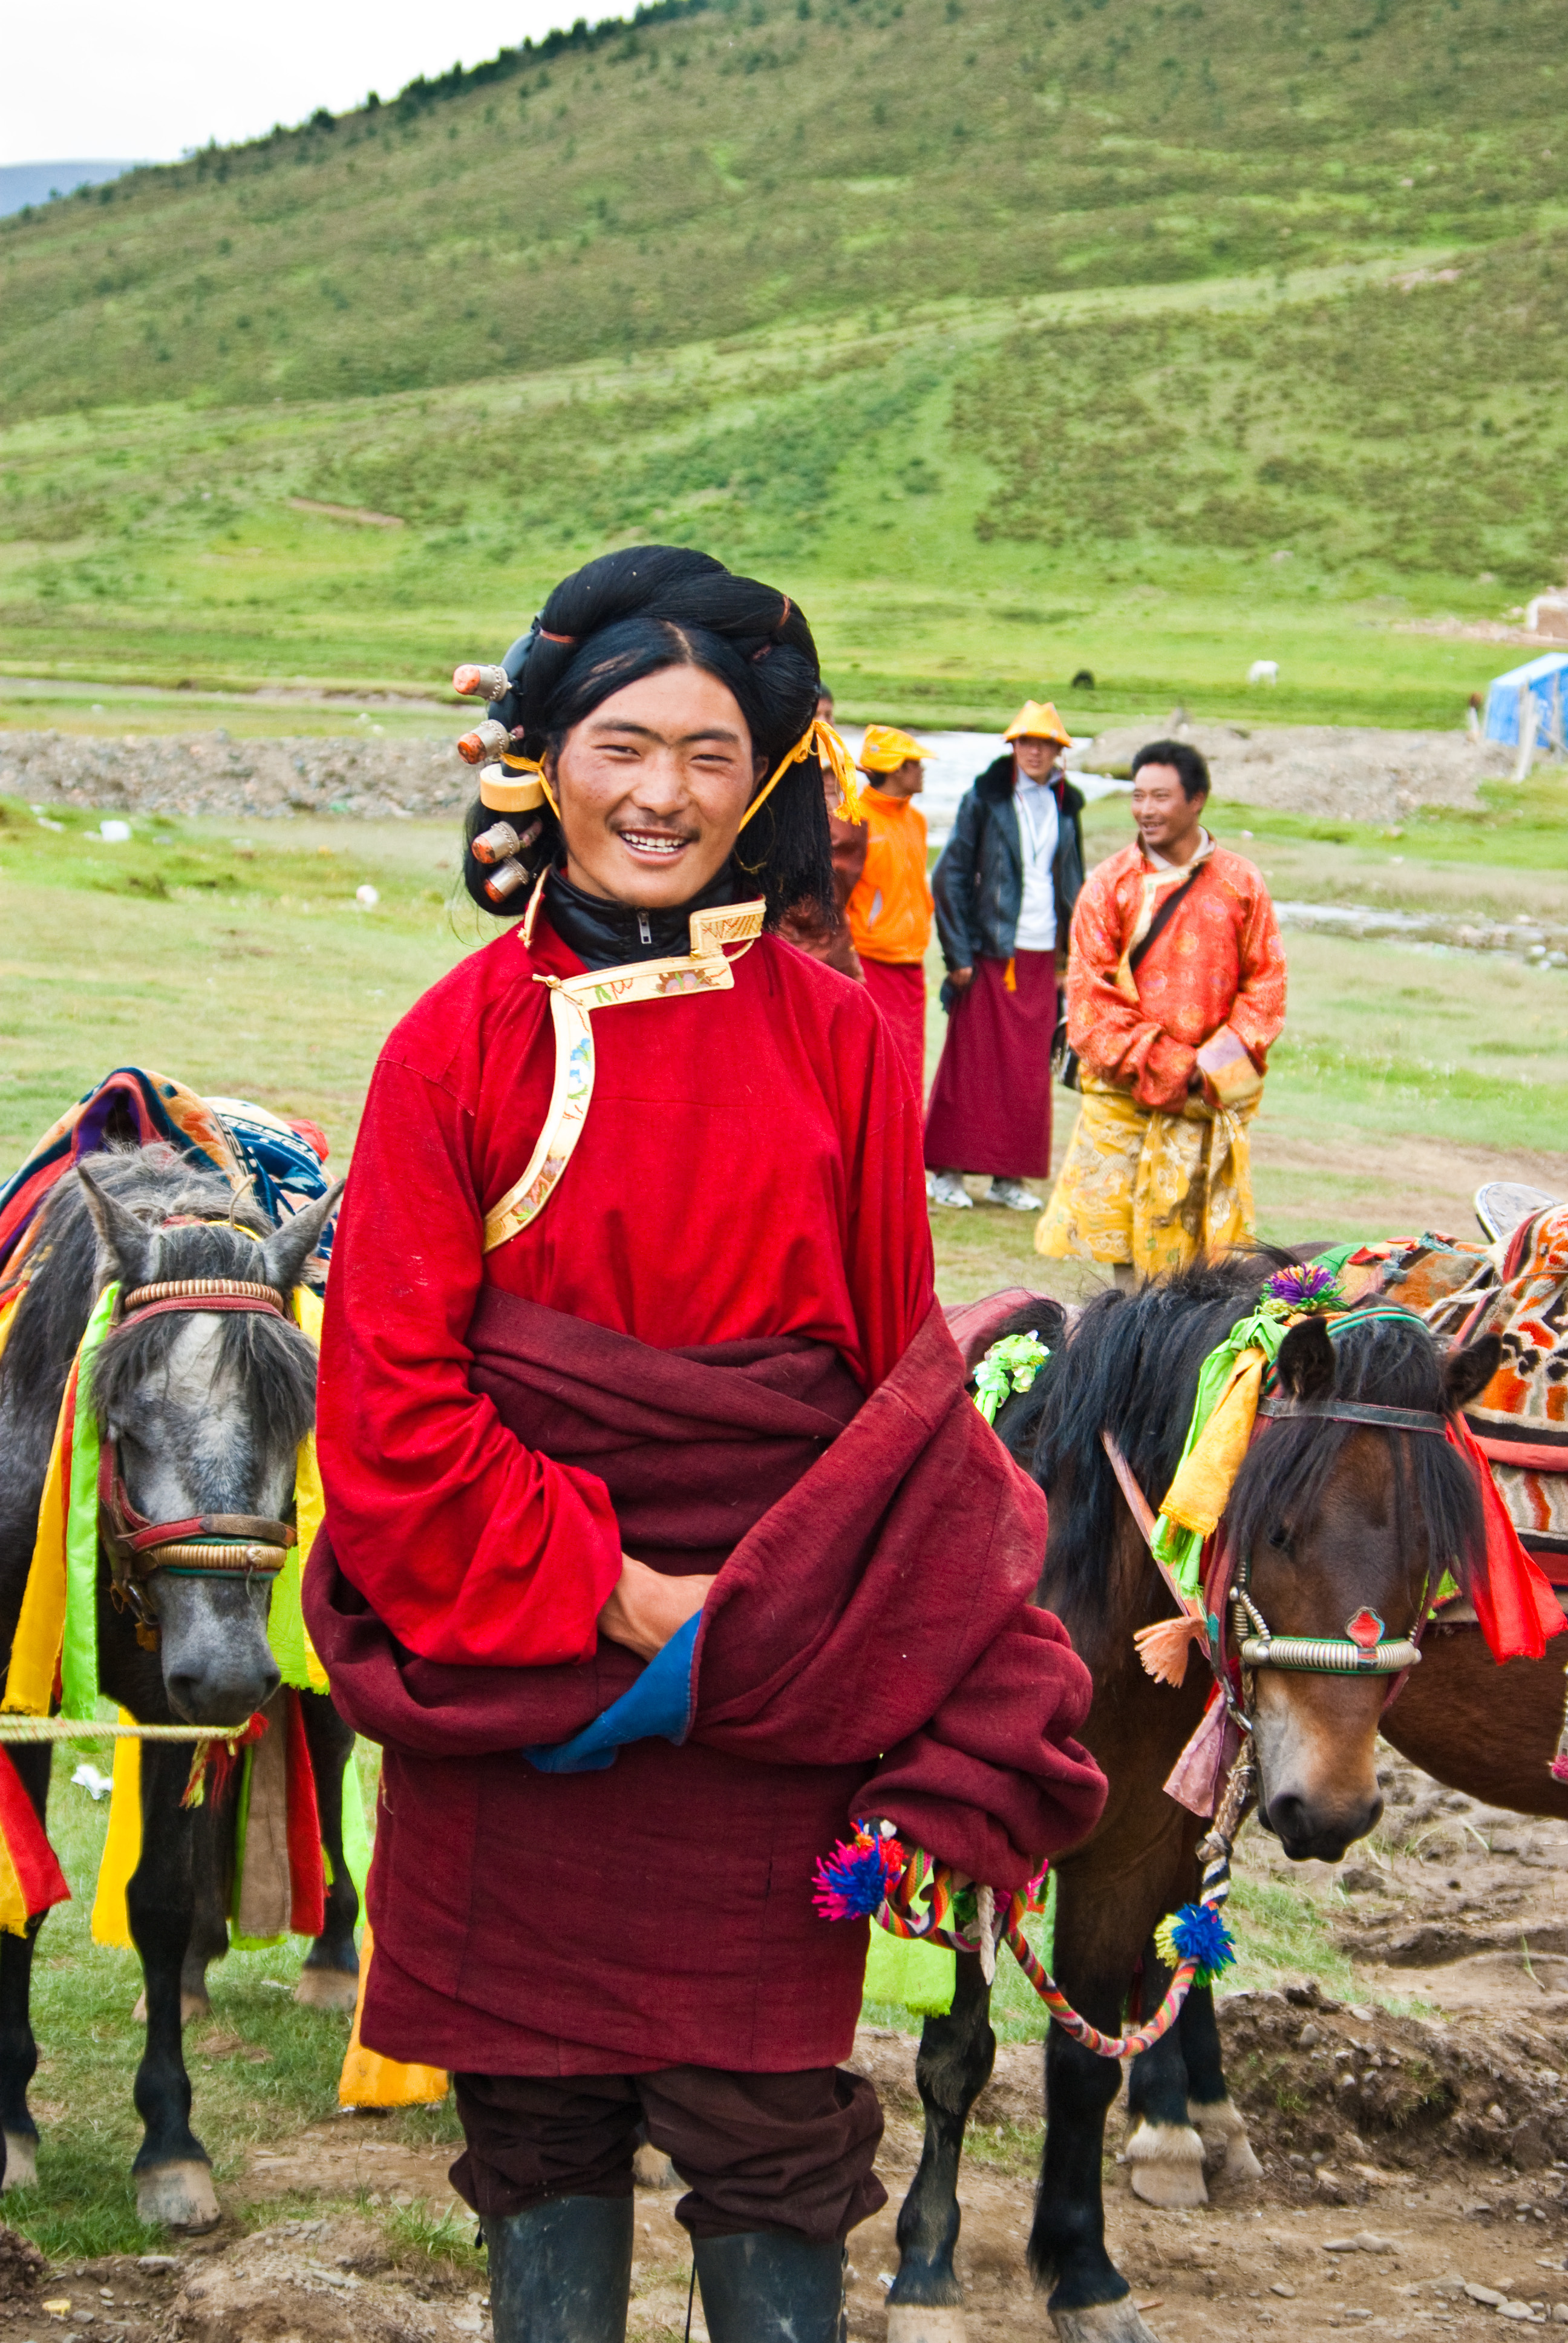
(1279, 1537)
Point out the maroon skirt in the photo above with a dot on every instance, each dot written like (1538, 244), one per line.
(990, 1102)
(899, 989)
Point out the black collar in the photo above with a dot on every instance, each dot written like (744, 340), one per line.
(608, 935)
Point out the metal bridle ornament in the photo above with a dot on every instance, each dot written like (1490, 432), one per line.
(1362, 1650)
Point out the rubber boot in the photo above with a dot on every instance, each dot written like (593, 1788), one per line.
(561, 2272)
(765, 2287)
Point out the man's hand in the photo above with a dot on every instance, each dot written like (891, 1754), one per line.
(646, 1608)
(960, 978)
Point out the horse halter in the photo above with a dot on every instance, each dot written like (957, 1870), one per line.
(1360, 1651)
(204, 1546)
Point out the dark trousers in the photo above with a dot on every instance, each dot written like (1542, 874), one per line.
(791, 2152)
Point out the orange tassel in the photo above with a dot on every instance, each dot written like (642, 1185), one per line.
(1010, 976)
(1163, 1647)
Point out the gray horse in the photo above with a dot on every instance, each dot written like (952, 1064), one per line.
(205, 1410)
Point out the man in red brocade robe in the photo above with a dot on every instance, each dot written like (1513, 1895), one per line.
(662, 1539)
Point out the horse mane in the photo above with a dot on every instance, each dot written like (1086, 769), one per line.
(1437, 1522)
(1129, 1366)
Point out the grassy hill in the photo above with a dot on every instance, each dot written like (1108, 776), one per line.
(1145, 339)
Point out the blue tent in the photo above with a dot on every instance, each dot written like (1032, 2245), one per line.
(1546, 679)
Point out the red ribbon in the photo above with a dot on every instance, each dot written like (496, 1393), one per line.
(1513, 1599)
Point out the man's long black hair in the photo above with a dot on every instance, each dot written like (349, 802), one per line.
(630, 615)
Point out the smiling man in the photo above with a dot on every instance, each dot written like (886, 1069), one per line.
(1175, 990)
(617, 1551)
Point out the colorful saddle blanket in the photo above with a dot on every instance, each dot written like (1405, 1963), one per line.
(1521, 1419)
(283, 1157)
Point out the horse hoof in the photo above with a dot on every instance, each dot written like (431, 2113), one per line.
(1224, 2133)
(651, 2169)
(20, 2161)
(327, 1989)
(192, 2005)
(912, 2322)
(1101, 2322)
(177, 2196)
(1167, 2165)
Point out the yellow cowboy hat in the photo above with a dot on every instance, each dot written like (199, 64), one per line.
(1037, 719)
(885, 749)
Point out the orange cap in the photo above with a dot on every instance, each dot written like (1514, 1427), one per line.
(885, 749)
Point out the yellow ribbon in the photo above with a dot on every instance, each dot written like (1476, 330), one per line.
(832, 755)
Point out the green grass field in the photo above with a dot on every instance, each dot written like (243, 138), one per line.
(238, 959)
(1017, 342)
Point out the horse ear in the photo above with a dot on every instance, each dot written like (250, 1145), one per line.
(1467, 1373)
(287, 1250)
(123, 1240)
(1305, 1366)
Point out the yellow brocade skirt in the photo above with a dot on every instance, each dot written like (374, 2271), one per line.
(1157, 1190)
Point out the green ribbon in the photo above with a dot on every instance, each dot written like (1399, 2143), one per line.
(1010, 1365)
(79, 1652)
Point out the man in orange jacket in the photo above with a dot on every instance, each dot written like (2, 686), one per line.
(891, 908)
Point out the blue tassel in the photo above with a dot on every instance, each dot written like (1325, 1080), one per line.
(1196, 1932)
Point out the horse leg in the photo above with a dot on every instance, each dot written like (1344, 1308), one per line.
(18, 2049)
(1210, 2109)
(925, 2302)
(1164, 2149)
(1105, 1909)
(174, 2177)
(211, 1825)
(330, 1977)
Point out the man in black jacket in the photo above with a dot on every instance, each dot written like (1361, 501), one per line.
(1004, 887)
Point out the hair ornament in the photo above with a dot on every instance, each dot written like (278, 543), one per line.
(819, 739)
(517, 785)
(545, 635)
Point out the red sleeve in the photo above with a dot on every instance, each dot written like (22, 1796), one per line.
(887, 1252)
(471, 1547)
(1258, 1013)
(1116, 1038)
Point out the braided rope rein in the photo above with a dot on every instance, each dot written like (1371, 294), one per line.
(939, 1926)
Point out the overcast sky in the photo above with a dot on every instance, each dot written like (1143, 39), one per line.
(84, 79)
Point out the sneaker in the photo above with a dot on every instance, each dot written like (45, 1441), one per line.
(948, 1188)
(1013, 1196)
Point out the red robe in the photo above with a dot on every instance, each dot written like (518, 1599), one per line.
(715, 1193)
(749, 1168)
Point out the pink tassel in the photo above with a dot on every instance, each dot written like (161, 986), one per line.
(1163, 1648)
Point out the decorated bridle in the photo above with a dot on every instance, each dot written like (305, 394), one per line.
(1360, 1651)
(204, 1546)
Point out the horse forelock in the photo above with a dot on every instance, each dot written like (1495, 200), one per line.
(1287, 1474)
(260, 1370)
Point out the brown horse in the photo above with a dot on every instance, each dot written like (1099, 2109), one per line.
(1331, 1516)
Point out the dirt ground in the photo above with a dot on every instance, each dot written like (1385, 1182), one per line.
(1356, 771)
(1414, 2144)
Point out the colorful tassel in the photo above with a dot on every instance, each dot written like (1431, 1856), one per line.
(1196, 1932)
(1311, 1287)
(852, 1882)
(1164, 1646)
